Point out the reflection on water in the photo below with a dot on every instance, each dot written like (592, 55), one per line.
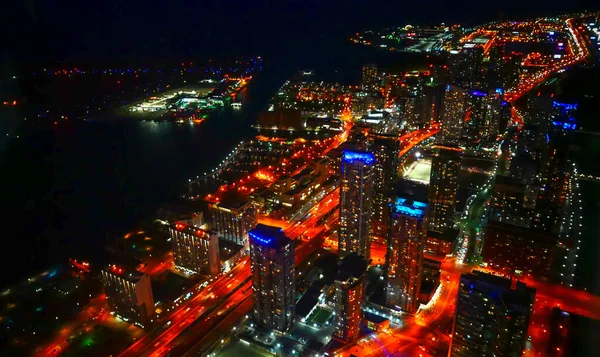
(74, 184)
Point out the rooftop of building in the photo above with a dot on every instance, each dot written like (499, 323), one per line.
(357, 155)
(191, 230)
(298, 188)
(409, 207)
(353, 266)
(509, 228)
(269, 236)
(512, 290)
(231, 204)
(306, 171)
(124, 271)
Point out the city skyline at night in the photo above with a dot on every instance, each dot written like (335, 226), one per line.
(239, 183)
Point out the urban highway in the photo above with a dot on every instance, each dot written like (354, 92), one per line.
(189, 311)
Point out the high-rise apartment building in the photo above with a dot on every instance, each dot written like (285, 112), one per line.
(405, 254)
(482, 118)
(385, 147)
(521, 250)
(273, 277)
(408, 109)
(443, 186)
(453, 117)
(467, 66)
(356, 202)
(232, 221)
(369, 76)
(195, 250)
(503, 68)
(430, 103)
(349, 297)
(555, 172)
(508, 201)
(492, 315)
(128, 293)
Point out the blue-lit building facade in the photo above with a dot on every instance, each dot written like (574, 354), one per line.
(273, 277)
(405, 254)
(564, 115)
(356, 203)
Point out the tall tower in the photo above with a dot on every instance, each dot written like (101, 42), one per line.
(349, 297)
(492, 316)
(385, 147)
(467, 66)
(405, 254)
(369, 76)
(443, 187)
(453, 117)
(356, 203)
(273, 277)
(482, 118)
(555, 173)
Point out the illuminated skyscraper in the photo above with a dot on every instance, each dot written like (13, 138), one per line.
(349, 297)
(405, 254)
(492, 316)
(453, 117)
(385, 147)
(482, 117)
(369, 76)
(430, 103)
(443, 186)
(504, 67)
(273, 277)
(356, 203)
(555, 173)
(128, 293)
(195, 250)
(467, 66)
(508, 201)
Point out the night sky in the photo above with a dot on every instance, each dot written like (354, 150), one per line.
(152, 30)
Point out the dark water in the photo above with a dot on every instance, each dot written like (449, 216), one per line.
(70, 185)
(67, 187)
